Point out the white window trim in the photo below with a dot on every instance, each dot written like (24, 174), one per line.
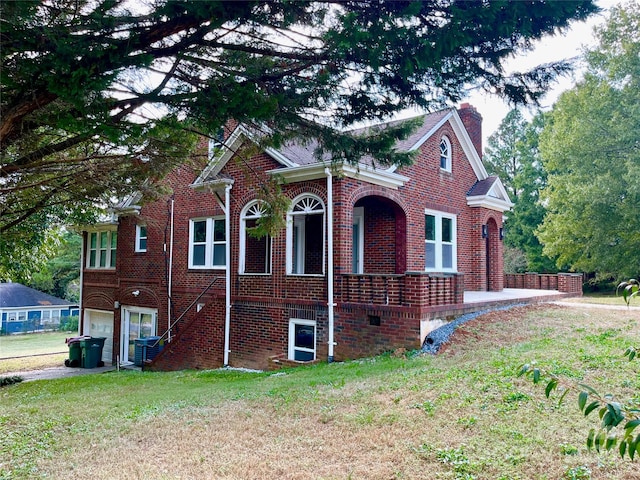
(209, 243)
(125, 315)
(438, 242)
(292, 337)
(358, 222)
(109, 249)
(139, 237)
(243, 240)
(291, 216)
(447, 142)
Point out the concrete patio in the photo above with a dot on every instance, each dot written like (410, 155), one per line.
(513, 295)
(477, 301)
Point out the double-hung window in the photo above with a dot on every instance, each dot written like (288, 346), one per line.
(440, 242)
(102, 249)
(141, 238)
(207, 243)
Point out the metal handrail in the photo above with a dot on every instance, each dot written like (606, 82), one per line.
(171, 325)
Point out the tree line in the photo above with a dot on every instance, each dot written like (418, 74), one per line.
(573, 172)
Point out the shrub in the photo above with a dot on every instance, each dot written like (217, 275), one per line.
(69, 324)
(5, 381)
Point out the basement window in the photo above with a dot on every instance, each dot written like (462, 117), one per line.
(302, 340)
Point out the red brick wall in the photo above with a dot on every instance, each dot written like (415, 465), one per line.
(198, 343)
(472, 121)
(415, 289)
(563, 282)
(358, 334)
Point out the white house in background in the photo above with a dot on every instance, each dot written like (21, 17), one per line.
(24, 309)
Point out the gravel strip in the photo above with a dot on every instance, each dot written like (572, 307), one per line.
(438, 337)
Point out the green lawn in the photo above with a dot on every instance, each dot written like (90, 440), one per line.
(33, 344)
(603, 299)
(463, 414)
(32, 351)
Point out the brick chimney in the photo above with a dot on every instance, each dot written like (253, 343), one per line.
(472, 121)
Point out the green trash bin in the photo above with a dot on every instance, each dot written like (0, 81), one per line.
(92, 351)
(75, 353)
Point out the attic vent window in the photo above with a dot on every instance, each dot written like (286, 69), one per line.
(445, 154)
(215, 143)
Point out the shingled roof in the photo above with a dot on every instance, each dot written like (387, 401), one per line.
(302, 152)
(482, 187)
(16, 295)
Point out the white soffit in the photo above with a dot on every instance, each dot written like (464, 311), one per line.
(367, 174)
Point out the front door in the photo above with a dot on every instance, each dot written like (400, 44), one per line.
(136, 323)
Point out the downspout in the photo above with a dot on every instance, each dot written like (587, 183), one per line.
(227, 317)
(330, 295)
(170, 279)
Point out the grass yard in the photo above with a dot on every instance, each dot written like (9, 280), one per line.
(37, 350)
(463, 414)
(603, 299)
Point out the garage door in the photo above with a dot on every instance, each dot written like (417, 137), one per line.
(100, 324)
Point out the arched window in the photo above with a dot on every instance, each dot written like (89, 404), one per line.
(445, 154)
(305, 236)
(255, 252)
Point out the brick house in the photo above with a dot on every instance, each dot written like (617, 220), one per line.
(367, 259)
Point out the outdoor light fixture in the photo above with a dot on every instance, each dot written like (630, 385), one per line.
(135, 293)
(501, 233)
(485, 231)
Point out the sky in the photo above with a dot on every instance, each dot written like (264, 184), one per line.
(569, 45)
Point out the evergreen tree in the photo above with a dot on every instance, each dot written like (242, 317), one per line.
(98, 95)
(512, 153)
